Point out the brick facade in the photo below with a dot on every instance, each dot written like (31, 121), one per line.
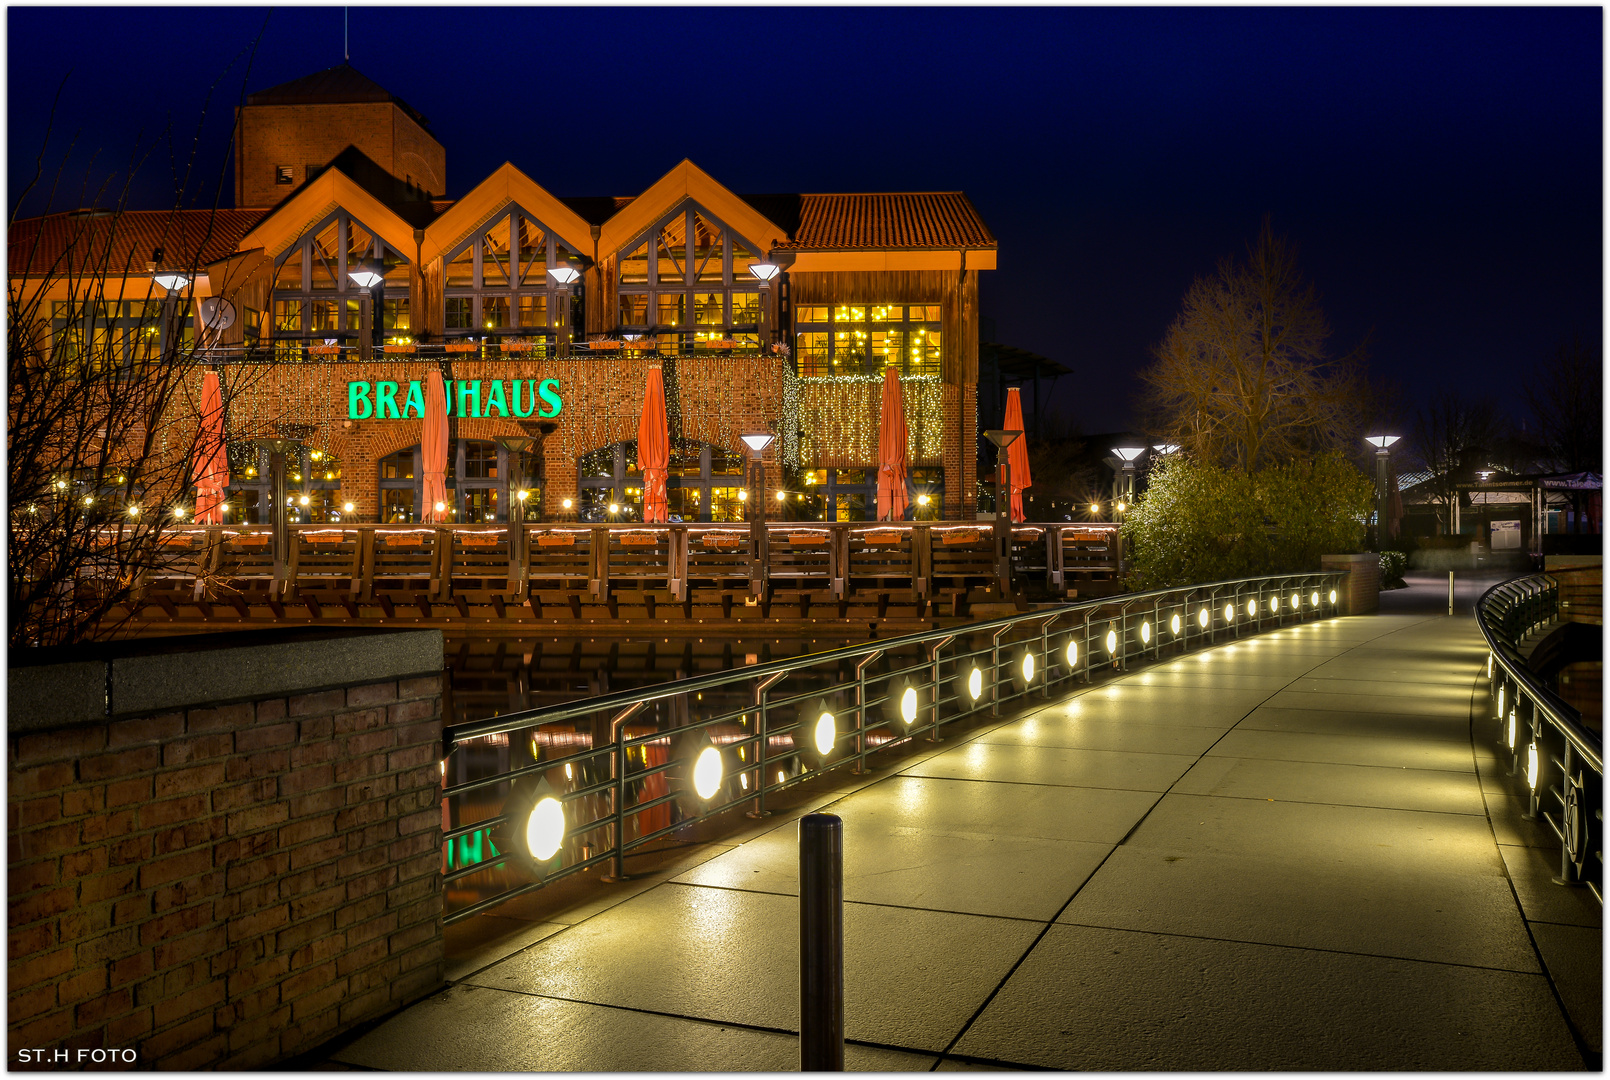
(312, 134)
(1360, 593)
(226, 886)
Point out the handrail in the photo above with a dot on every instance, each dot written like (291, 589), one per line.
(1506, 614)
(614, 786)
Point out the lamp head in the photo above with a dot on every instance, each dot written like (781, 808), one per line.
(565, 273)
(1380, 442)
(1129, 453)
(765, 271)
(758, 441)
(367, 274)
(1002, 439)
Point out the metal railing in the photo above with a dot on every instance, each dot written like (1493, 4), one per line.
(1548, 747)
(631, 768)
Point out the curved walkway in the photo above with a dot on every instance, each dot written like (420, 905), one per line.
(1276, 854)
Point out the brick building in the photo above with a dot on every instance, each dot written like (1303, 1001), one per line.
(773, 312)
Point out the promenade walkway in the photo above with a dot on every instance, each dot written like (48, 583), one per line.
(1283, 853)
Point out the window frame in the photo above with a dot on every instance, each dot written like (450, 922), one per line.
(732, 279)
(345, 290)
(806, 367)
(557, 296)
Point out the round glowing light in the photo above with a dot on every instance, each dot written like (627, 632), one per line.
(743, 496)
(1119, 507)
(1203, 618)
(304, 500)
(1489, 655)
(1333, 596)
(1313, 599)
(1531, 766)
(545, 829)
(1145, 633)
(614, 508)
(1028, 667)
(1174, 625)
(440, 507)
(1229, 613)
(347, 508)
(908, 705)
(922, 500)
(781, 495)
(1095, 508)
(975, 683)
(1252, 607)
(88, 499)
(523, 495)
(134, 511)
(61, 485)
(1112, 642)
(707, 773)
(567, 504)
(1274, 602)
(1500, 701)
(1072, 652)
(1511, 733)
(825, 734)
(178, 512)
(1296, 601)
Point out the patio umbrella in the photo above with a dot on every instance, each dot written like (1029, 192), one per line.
(1018, 452)
(433, 448)
(212, 463)
(654, 447)
(892, 451)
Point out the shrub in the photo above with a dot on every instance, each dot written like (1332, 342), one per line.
(1393, 563)
(1199, 522)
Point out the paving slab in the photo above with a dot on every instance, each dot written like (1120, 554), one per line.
(1403, 753)
(912, 977)
(1383, 882)
(1097, 999)
(1048, 728)
(476, 1029)
(1337, 721)
(1383, 702)
(1533, 870)
(477, 943)
(1058, 765)
(1341, 785)
(1574, 956)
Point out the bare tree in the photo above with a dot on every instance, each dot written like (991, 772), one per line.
(1564, 395)
(1244, 377)
(1455, 437)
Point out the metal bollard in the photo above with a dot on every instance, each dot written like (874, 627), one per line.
(821, 943)
(1450, 592)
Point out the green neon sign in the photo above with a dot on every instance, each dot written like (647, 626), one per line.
(467, 850)
(385, 400)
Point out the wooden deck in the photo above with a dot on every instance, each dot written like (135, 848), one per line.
(464, 577)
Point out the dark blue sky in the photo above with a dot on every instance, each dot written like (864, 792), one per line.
(1440, 170)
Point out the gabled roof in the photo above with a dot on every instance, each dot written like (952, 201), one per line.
(920, 219)
(315, 200)
(688, 181)
(340, 84)
(506, 185)
(115, 243)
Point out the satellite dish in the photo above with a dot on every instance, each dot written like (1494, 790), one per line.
(217, 313)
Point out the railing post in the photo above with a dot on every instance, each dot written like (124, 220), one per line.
(761, 713)
(1450, 592)
(995, 671)
(618, 763)
(933, 690)
(860, 709)
(1045, 657)
(821, 943)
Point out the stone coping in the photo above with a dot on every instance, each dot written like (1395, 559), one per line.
(66, 685)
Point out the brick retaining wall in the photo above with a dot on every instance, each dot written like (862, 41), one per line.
(226, 886)
(1360, 593)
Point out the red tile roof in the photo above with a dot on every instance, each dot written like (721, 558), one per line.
(925, 219)
(116, 243)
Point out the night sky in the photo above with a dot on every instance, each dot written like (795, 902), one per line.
(1440, 170)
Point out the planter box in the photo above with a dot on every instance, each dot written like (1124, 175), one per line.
(399, 348)
(802, 539)
(722, 540)
(884, 536)
(960, 536)
(462, 347)
(556, 540)
(604, 346)
(639, 539)
(480, 541)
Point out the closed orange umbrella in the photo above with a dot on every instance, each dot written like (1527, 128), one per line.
(1018, 452)
(654, 447)
(212, 463)
(433, 449)
(892, 450)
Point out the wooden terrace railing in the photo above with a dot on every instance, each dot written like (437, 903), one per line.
(905, 570)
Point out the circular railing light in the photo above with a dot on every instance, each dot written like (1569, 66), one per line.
(908, 705)
(1313, 600)
(1174, 624)
(707, 773)
(1145, 633)
(1500, 701)
(975, 683)
(1252, 607)
(1072, 652)
(1229, 613)
(1511, 733)
(1203, 618)
(825, 734)
(1333, 596)
(1028, 667)
(1531, 766)
(545, 829)
(1296, 601)
(1112, 642)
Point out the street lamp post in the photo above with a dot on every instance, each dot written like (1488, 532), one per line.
(171, 282)
(1126, 491)
(765, 273)
(756, 509)
(278, 498)
(1380, 442)
(369, 276)
(565, 274)
(1003, 504)
(515, 447)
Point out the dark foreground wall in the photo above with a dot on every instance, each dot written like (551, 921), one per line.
(222, 850)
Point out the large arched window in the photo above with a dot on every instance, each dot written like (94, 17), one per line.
(477, 471)
(315, 299)
(498, 280)
(702, 483)
(687, 279)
